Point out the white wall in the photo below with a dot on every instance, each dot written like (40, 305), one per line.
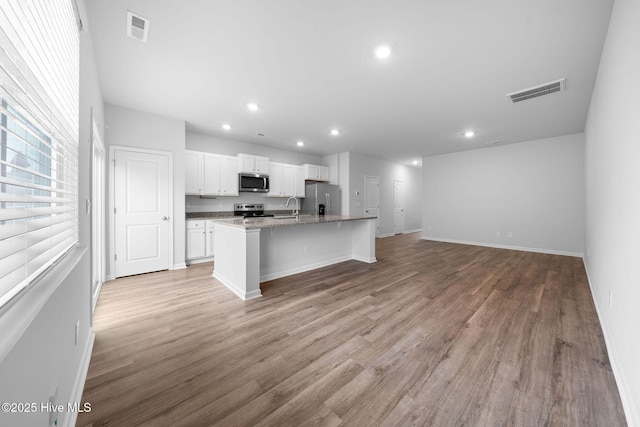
(131, 128)
(533, 189)
(333, 161)
(612, 232)
(45, 354)
(360, 166)
(345, 184)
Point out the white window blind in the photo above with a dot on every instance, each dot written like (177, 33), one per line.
(39, 96)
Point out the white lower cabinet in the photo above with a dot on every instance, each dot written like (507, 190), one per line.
(210, 238)
(200, 234)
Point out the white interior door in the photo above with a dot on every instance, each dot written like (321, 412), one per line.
(398, 207)
(98, 242)
(142, 211)
(372, 199)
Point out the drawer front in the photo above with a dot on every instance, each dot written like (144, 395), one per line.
(191, 224)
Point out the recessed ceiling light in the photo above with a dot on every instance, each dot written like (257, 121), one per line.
(335, 132)
(226, 126)
(252, 107)
(469, 134)
(383, 51)
(300, 143)
(415, 162)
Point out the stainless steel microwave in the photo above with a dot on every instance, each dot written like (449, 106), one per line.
(254, 183)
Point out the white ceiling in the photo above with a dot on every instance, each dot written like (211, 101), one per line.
(309, 65)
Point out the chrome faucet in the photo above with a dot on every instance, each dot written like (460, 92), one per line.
(296, 211)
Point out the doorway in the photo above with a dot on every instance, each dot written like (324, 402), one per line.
(142, 201)
(398, 207)
(372, 199)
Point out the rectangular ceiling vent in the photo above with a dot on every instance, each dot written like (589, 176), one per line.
(534, 92)
(137, 26)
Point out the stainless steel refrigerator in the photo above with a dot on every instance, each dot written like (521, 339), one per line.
(317, 194)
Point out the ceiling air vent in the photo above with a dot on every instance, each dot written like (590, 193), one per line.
(137, 26)
(534, 92)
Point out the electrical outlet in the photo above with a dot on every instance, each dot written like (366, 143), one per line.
(588, 252)
(428, 228)
(510, 234)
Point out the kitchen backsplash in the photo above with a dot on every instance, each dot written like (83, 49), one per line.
(225, 204)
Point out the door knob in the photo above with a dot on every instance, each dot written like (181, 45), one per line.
(165, 218)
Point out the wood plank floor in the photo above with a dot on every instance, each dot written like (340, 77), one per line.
(433, 334)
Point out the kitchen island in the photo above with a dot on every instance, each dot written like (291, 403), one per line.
(250, 251)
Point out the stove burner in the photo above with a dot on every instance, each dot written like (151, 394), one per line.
(250, 210)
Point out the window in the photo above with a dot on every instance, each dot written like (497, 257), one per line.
(39, 57)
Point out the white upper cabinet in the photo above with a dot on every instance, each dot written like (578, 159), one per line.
(253, 164)
(210, 174)
(316, 172)
(194, 173)
(229, 176)
(282, 180)
(323, 173)
(299, 184)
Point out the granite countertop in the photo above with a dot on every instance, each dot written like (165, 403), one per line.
(269, 222)
(227, 214)
(208, 215)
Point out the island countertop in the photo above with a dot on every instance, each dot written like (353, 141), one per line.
(253, 250)
(287, 220)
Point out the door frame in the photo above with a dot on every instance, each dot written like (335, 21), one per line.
(397, 181)
(112, 199)
(97, 213)
(376, 178)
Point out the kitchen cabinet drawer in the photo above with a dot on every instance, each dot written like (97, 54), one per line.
(196, 223)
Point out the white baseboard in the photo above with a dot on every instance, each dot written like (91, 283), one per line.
(499, 246)
(81, 377)
(412, 231)
(382, 236)
(630, 410)
(199, 260)
(244, 296)
(95, 296)
(367, 260)
(179, 266)
(289, 272)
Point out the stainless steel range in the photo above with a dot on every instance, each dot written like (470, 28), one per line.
(249, 210)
